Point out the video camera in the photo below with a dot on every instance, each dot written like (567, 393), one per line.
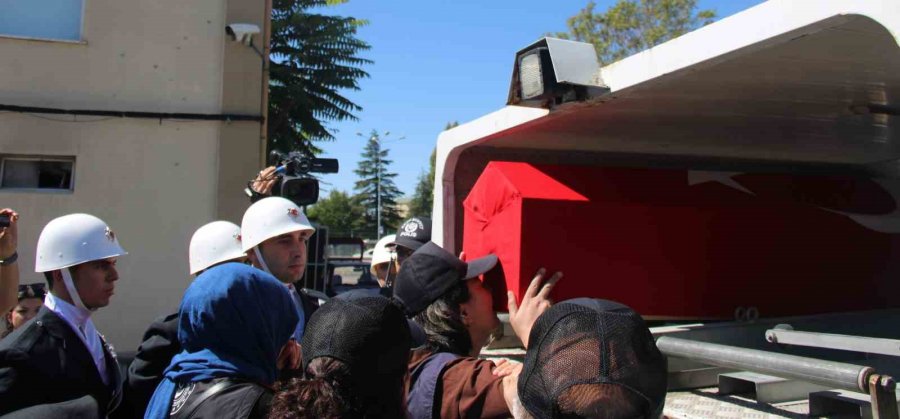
(294, 179)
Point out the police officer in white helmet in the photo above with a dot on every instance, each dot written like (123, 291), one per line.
(274, 234)
(212, 244)
(382, 265)
(59, 355)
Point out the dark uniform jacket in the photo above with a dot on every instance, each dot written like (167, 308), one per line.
(83, 408)
(45, 362)
(159, 346)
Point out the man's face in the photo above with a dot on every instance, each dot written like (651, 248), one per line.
(285, 255)
(402, 253)
(480, 317)
(95, 282)
(383, 270)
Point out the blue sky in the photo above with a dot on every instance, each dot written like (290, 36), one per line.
(437, 61)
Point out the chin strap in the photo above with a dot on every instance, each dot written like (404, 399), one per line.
(70, 287)
(388, 279)
(262, 262)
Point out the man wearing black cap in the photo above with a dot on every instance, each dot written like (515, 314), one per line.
(411, 235)
(592, 358)
(446, 298)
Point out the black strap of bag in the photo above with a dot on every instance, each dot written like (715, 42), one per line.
(197, 400)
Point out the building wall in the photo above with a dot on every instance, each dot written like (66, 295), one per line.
(148, 181)
(153, 181)
(239, 147)
(163, 56)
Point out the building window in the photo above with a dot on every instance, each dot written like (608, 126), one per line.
(44, 19)
(37, 173)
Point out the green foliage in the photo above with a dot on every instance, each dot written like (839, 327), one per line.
(631, 26)
(339, 211)
(372, 170)
(313, 58)
(423, 199)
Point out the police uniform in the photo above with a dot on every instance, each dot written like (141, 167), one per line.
(45, 361)
(59, 356)
(269, 218)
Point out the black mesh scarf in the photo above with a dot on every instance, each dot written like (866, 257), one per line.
(587, 354)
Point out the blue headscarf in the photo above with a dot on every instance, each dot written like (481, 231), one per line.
(232, 322)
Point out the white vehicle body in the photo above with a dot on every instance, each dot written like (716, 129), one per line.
(786, 86)
(785, 83)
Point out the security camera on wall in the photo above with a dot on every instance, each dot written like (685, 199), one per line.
(242, 32)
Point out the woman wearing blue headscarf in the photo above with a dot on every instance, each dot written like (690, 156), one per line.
(233, 321)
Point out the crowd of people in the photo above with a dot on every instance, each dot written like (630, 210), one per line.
(246, 342)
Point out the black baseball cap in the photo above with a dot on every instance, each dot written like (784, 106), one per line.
(37, 290)
(432, 271)
(413, 233)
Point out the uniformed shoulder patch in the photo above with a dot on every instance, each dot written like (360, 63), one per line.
(182, 393)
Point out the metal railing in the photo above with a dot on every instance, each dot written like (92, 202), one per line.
(839, 375)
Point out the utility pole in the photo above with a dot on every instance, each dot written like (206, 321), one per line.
(379, 231)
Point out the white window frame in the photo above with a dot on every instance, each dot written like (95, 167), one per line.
(80, 39)
(38, 158)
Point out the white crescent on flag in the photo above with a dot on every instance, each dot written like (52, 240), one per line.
(882, 223)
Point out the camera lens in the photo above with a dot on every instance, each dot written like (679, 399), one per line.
(302, 191)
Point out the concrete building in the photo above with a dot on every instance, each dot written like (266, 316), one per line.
(154, 179)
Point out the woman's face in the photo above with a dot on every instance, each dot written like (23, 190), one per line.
(24, 311)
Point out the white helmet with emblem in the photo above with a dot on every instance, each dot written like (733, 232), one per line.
(271, 217)
(72, 240)
(75, 239)
(268, 218)
(214, 243)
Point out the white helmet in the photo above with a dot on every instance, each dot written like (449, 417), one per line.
(74, 239)
(271, 217)
(382, 252)
(214, 243)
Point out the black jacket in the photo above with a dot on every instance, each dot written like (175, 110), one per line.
(310, 305)
(159, 345)
(45, 362)
(82, 408)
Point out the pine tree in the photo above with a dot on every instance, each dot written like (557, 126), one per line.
(313, 58)
(376, 184)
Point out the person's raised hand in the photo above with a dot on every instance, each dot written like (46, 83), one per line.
(505, 368)
(9, 236)
(290, 356)
(535, 301)
(264, 181)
